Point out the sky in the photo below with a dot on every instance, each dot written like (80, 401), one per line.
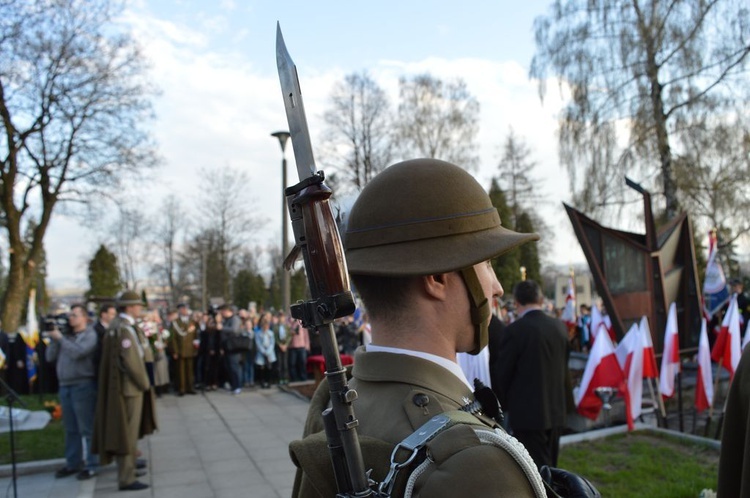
(214, 63)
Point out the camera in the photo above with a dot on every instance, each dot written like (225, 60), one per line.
(59, 322)
(213, 310)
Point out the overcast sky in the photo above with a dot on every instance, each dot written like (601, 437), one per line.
(215, 65)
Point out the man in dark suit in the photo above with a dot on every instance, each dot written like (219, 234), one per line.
(530, 375)
(107, 313)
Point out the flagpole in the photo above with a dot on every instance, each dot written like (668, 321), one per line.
(716, 387)
(679, 401)
(721, 415)
(658, 402)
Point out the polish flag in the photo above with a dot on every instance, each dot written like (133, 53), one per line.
(602, 370)
(623, 348)
(569, 312)
(650, 368)
(704, 388)
(610, 329)
(727, 348)
(629, 354)
(670, 358)
(597, 323)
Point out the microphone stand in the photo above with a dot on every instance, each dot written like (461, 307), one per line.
(12, 397)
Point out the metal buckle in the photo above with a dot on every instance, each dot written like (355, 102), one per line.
(413, 444)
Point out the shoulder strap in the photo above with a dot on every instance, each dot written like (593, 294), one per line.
(411, 449)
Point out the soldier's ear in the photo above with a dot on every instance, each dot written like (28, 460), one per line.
(435, 286)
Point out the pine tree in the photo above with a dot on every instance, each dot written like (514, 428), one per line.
(507, 267)
(249, 286)
(529, 253)
(104, 274)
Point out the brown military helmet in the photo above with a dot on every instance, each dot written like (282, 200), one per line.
(129, 298)
(421, 217)
(425, 216)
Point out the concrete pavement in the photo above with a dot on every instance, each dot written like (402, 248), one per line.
(212, 445)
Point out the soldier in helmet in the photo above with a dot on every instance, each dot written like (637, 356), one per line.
(418, 243)
(124, 410)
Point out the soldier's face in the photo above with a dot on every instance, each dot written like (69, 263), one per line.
(134, 310)
(488, 279)
(491, 288)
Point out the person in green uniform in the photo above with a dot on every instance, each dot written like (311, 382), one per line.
(183, 337)
(121, 414)
(418, 243)
(734, 461)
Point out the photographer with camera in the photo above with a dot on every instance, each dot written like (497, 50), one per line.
(75, 357)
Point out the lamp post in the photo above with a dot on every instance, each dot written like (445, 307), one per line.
(283, 136)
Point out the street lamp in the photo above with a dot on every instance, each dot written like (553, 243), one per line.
(283, 136)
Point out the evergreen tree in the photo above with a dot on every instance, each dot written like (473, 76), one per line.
(529, 253)
(104, 274)
(507, 267)
(248, 286)
(298, 286)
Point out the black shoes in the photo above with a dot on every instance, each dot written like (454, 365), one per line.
(65, 472)
(85, 474)
(134, 486)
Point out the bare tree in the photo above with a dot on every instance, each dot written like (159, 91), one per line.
(358, 140)
(222, 205)
(73, 104)
(712, 177)
(639, 73)
(172, 221)
(438, 120)
(516, 174)
(128, 235)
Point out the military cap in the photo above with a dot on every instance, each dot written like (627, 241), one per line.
(421, 217)
(129, 298)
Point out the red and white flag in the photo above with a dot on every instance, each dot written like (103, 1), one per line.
(670, 358)
(622, 349)
(650, 368)
(629, 354)
(602, 370)
(704, 387)
(597, 322)
(569, 312)
(610, 328)
(727, 347)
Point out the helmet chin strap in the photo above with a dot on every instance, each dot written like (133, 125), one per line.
(479, 307)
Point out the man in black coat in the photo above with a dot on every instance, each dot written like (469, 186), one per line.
(530, 375)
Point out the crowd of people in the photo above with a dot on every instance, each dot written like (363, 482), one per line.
(108, 369)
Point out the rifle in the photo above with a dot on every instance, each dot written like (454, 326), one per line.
(317, 238)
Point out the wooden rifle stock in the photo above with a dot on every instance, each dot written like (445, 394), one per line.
(317, 236)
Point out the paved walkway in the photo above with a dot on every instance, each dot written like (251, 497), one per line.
(212, 445)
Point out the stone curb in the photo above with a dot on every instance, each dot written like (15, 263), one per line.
(34, 467)
(639, 426)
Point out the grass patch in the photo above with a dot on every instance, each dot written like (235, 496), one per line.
(643, 464)
(44, 444)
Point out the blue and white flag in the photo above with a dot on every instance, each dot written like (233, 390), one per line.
(715, 289)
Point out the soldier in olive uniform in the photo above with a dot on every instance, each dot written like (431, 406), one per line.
(419, 242)
(124, 409)
(182, 338)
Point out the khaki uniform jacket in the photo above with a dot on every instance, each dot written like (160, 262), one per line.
(122, 373)
(181, 337)
(734, 462)
(397, 395)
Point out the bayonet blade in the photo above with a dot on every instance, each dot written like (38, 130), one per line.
(295, 109)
